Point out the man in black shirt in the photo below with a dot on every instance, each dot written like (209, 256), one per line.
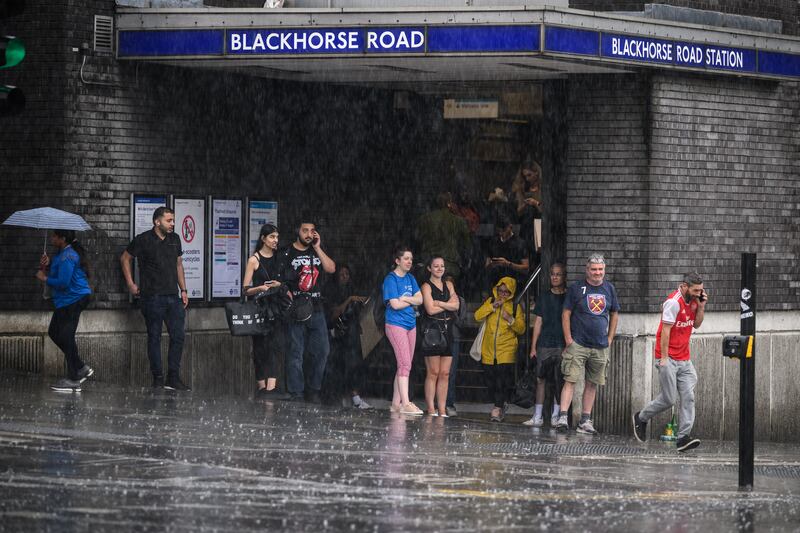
(507, 255)
(161, 275)
(300, 263)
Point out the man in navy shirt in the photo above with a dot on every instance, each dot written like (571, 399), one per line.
(589, 320)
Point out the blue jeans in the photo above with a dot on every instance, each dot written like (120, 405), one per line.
(158, 309)
(312, 335)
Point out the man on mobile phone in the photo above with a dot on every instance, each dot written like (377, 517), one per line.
(506, 254)
(301, 262)
(682, 312)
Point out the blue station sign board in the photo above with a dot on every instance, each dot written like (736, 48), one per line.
(456, 39)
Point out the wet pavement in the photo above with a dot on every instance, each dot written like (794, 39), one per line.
(134, 459)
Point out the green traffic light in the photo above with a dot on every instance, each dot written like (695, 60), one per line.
(14, 52)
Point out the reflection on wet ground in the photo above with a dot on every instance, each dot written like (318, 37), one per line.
(127, 459)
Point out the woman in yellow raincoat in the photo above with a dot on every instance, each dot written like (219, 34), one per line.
(499, 347)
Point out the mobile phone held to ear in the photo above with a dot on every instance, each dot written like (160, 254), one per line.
(703, 296)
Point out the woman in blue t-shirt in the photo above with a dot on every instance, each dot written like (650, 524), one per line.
(400, 293)
(69, 283)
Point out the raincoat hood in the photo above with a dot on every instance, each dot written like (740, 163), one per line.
(509, 282)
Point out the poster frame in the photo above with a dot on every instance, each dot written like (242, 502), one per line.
(248, 213)
(210, 244)
(206, 274)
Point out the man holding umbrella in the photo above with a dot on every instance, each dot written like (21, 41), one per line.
(159, 254)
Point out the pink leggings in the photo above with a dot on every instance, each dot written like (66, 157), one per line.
(402, 341)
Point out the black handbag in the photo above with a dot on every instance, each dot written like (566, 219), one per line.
(245, 317)
(525, 388)
(434, 335)
(302, 308)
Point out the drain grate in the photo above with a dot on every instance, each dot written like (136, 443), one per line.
(779, 471)
(565, 449)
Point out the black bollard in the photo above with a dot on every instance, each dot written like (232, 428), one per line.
(747, 373)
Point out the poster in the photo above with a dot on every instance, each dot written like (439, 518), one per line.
(226, 242)
(143, 207)
(190, 225)
(260, 213)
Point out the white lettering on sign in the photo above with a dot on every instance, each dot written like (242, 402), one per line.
(691, 55)
(641, 49)
(293, 41)
(716, 57)
(402, 40)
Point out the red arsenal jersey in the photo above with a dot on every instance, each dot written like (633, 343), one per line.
(681, 315)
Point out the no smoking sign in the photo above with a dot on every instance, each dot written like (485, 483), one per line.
(188, 228)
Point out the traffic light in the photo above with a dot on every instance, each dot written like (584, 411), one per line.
(12, 52)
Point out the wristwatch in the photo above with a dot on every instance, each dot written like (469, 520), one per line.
(184, 290)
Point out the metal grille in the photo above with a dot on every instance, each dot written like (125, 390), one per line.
(538, 448)
(21, 353)
(103, 34)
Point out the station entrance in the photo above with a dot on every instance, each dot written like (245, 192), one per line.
(379, 125)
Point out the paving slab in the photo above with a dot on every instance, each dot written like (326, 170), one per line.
(124, 459)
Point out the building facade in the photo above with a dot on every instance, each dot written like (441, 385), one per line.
(664, 169)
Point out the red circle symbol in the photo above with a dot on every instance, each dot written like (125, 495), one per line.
(188, 228)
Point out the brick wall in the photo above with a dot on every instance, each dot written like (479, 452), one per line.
(724, 180)
(32, 143)
(688, 172)
(607, 189)
(787, 11)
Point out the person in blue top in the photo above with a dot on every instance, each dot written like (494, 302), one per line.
(69, 284)
(589, 321)
(400, 293)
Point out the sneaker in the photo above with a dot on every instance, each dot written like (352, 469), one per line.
(158, 381)
(687, 443)
(535, 421)
(66, 385)
(296, 397)
(586, 428)
(554, 421)
(175, 383)
(639, 428)
(451, 410)
(359, 403)
(85, 373)
(562, 424)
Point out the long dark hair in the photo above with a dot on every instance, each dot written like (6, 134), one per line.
(266, 229)
(69, 236)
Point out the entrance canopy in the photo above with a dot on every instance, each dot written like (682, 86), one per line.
(435, 45)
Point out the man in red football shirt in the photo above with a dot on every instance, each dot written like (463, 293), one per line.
(681, 313)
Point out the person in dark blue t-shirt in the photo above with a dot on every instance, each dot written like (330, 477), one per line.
(589, 320)
(547, 342)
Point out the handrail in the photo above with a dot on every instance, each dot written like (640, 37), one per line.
(526, 293)
(529, 283)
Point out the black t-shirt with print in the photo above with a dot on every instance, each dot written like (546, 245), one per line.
(302, 272)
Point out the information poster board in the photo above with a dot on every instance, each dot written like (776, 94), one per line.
(142, 212)
(190, 225)
(226, 248)
(260, 212)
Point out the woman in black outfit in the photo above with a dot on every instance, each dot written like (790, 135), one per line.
(440, 301)
(261, 274)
